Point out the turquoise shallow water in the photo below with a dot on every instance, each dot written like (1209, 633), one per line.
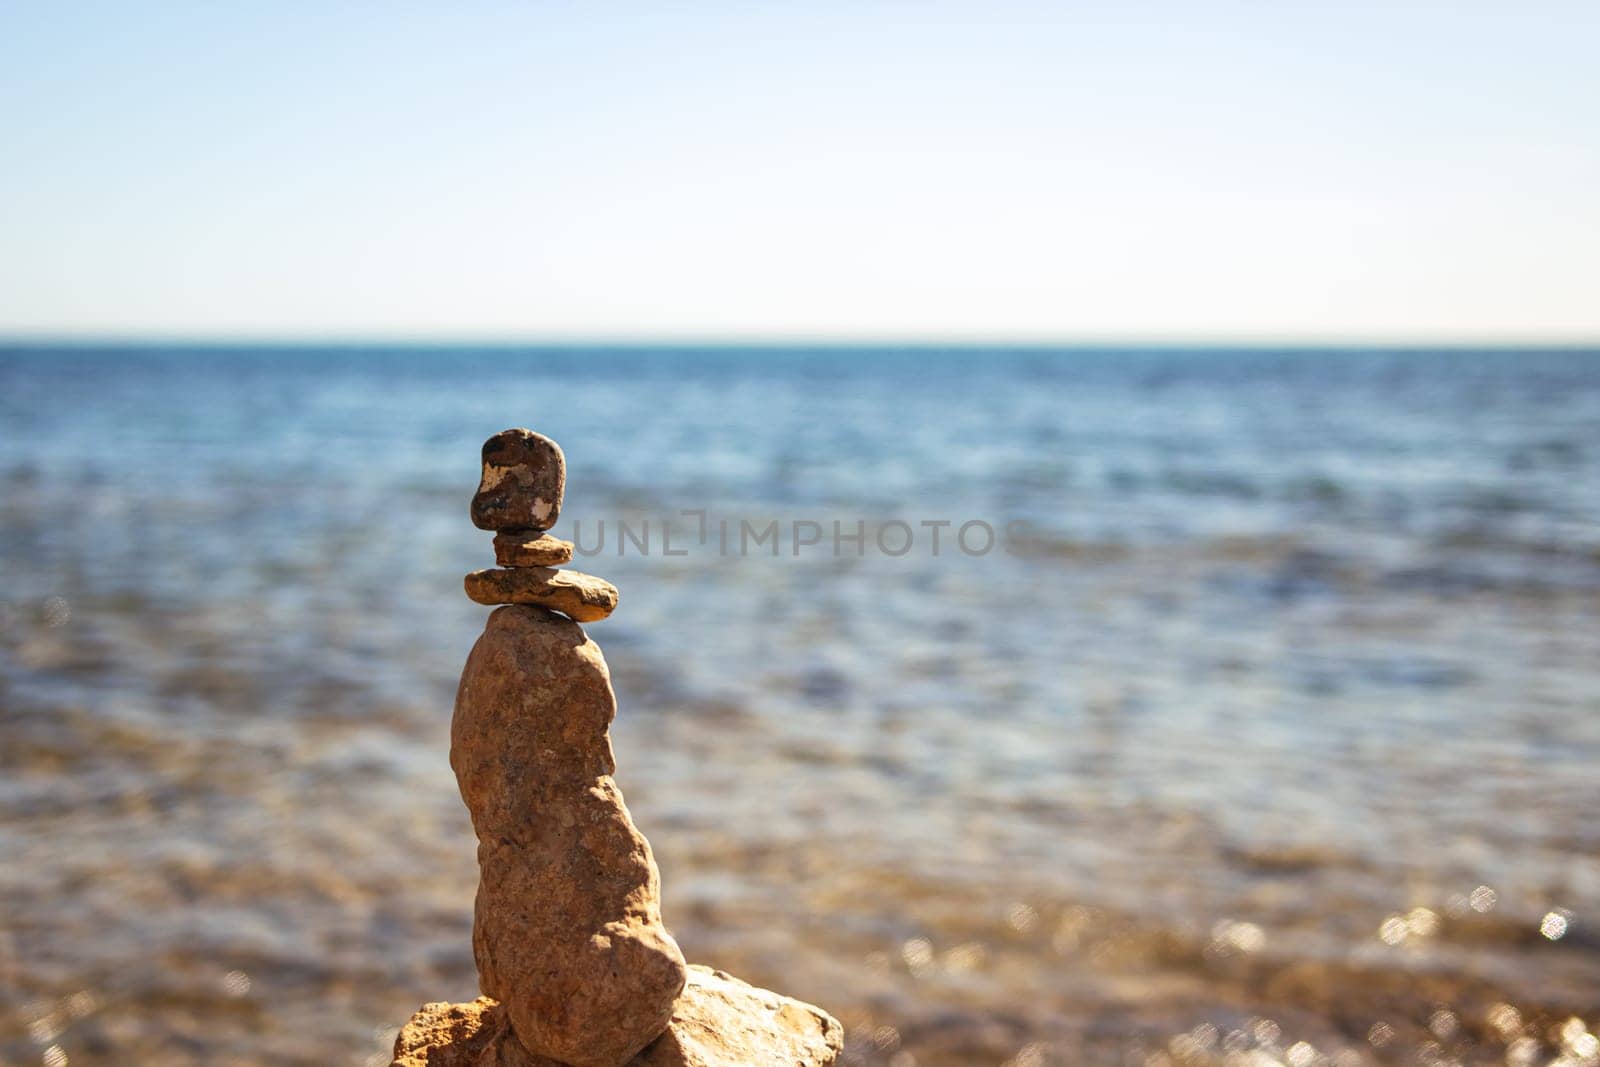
(1279, 720)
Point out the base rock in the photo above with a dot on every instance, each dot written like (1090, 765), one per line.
(719, 1021)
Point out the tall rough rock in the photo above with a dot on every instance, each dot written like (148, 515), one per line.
(567, 929)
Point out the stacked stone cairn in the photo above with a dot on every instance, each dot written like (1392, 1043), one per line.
(574, 961)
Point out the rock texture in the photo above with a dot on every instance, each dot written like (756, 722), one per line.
(567, 929)
(723, 1022)
(718, 1022)
(573, 593)
(461, 1035)
(530, 548)
(524, 478)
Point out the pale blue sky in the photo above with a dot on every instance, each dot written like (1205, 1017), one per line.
(1157, 170)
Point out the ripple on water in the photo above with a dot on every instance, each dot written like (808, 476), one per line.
(1276, 747)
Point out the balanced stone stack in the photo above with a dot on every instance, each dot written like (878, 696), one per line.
(524, 478)
(574, 961)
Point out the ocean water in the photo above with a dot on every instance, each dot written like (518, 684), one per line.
(1270, 735)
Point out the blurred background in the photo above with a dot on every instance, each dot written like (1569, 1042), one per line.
(1276, 328)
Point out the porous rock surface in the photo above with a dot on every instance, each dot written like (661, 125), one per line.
(530, 548)
(573, 593)
(524, 477)
(567, 929)
(719, 1021)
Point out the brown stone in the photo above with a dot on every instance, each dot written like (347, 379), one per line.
(524, 477)
(723, 1022)
(461, 1035)
(719, 1021)
(530, 548)
(567, 929)
(581, 596)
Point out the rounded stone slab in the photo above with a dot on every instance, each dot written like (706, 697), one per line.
(524, 478)
(576, 595)
(530, 548)
(718, 1022)
(567, 931)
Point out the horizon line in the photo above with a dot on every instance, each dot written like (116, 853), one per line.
(791, 340)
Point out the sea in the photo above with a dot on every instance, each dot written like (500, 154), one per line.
(1146, 707)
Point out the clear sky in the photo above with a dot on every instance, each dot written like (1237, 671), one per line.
(1133, 170)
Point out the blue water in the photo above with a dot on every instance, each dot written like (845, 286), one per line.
(1296, 641)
